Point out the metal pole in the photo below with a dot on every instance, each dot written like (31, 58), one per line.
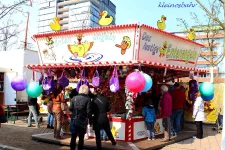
(25, 41)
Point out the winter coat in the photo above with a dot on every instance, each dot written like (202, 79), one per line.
(198, 111)
(100, 107)
(32, 101)
(149, 113)
(81, 104)
(166, 105)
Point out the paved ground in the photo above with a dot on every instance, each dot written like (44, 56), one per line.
(211, 141)
(19, 136)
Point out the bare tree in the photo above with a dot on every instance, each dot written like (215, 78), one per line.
(212, 29)
(9, 29)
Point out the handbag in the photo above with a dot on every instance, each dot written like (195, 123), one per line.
(114, 81)
(63, 80)
(82, 81)
(96, 79)
(80, 121)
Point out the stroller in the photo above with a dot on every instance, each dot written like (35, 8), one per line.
(219, 122)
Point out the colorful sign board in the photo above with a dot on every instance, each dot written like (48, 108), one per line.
(161, 48)
(101, 45)
(140, 130)
(117, 129)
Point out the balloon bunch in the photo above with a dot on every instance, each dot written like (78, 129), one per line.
(135, 82)
(207, 91)
(33, 89)
(138, 82)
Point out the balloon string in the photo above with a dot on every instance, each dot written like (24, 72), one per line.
(33, 75)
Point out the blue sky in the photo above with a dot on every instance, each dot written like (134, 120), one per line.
(133, 11)
(148, 12)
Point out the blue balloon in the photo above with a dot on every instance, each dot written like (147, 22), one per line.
(206, 89)
(148, 83)
(207, 98)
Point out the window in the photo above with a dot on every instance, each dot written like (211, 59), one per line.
(46, 4)
(47, 11)
(46, 17)
(1, 81)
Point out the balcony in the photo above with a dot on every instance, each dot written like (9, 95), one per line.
(202, 62)
(62, 9)
(209, 36)
(208, 53)
(63, 15)
(64, 22)
(68, 2)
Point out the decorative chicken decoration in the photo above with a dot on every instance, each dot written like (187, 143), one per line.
(80, 49)
(114, 131)
(55, 26)
(161, 24)
(125, 44)
(191, 35)
(105, 20)
(162, 50)
(49, 41)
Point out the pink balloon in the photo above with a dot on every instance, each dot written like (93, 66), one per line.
(135, 82)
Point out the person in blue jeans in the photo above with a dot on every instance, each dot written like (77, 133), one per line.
(178, 104)
(50, 118)
(149, 114)
(103, 135)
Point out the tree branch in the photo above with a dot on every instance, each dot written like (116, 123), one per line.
(10, 8)
(210, 14)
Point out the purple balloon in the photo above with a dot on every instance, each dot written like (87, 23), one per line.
(19, 83)
(135, 82)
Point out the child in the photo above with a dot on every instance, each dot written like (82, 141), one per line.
(150, 117)
(50, 118)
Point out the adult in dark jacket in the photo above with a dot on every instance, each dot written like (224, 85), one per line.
(32, 103)
(80, 107)
(100, 107)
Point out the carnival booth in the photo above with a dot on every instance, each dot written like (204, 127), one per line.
(128, 60)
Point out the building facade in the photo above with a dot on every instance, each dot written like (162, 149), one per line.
(73, 14)
(201, 37)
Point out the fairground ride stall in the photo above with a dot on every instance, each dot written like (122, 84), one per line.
(121, 50)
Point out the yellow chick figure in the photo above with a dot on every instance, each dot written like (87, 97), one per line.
(191, 35)
(162, 24)
(55, 26)
(114, 131)
(105, 20)
(212, 116)
(81, 49)
(49, 41)
(162, 50)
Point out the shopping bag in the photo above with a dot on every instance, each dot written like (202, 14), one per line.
(82, 81)
(63, 80)
(114, 81)
(96, 79)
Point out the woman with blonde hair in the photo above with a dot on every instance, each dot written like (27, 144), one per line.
(80, 107)
(198, 115)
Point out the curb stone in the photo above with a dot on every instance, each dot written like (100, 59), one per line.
(5, 147)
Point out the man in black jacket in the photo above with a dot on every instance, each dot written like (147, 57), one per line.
(100, 107)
